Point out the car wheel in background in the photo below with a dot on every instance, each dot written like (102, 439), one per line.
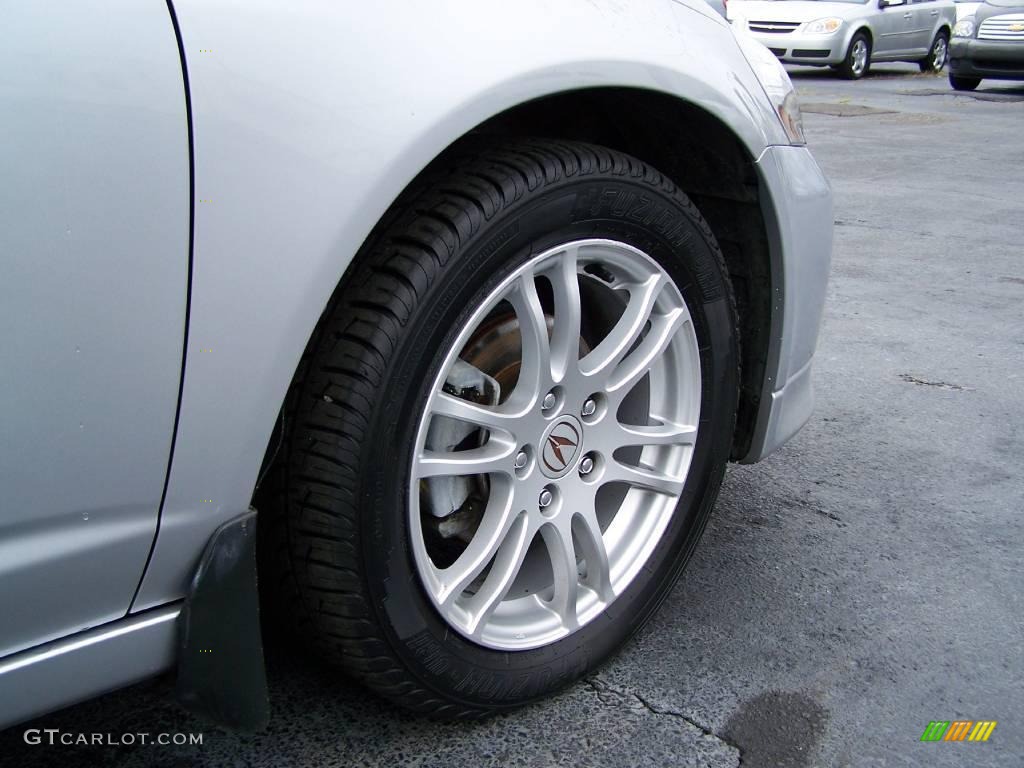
(937, 54)
(858, 58)
(964, 83)
(509, 430)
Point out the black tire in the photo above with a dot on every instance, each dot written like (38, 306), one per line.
(338, 526)
(850, 69)
(964, 83)
(938, 53)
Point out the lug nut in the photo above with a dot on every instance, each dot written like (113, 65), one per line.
(549, 401)
(589, 407)
(586, 465)
(521, 459)
(545, 498)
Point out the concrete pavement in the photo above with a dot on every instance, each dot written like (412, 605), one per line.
(862, 582)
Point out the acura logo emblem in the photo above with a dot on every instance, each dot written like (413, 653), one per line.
(561, 444)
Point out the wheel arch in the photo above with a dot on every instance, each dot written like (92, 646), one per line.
(708, 161)
(292, 170)
(691, 146)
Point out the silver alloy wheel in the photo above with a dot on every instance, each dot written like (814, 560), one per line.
(939, 53)
(860, 57)
(582, 460)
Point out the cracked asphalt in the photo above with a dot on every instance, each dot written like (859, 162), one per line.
(860, 583)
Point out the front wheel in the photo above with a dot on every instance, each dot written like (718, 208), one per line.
(510, 429)
(858, 58)
(937, 54)
(964, 83)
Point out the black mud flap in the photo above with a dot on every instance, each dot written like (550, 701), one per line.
(221, 675)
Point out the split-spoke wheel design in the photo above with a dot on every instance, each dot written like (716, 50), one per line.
(508, 431)
(575, 463)
(938, 54)
(858, 58)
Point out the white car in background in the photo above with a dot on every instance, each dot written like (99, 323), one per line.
(848, 35)
(965, 8)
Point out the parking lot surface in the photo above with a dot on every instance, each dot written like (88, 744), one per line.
(860, 583)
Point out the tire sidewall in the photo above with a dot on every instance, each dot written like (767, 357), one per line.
(849, 64)
(934, 66)
(613, 208)
(964, 83)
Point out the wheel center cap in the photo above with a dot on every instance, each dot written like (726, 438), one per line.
(561, 446)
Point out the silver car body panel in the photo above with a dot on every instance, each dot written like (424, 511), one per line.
(798, 211)
(302, 149)
(308, 120)
(94, 211)
(87, 664)
(898, 33)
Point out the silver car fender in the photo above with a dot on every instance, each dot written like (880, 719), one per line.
(308, 120)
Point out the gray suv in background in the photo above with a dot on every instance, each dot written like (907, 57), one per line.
(849, 35)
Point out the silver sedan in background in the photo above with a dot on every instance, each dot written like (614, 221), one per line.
(850, 34)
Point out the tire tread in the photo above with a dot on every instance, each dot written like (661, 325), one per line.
(343, 369)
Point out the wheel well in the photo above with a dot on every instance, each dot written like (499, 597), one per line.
(867, 34)
(705, 159)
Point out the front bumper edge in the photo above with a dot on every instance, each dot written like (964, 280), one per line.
(796, 201)
(990, 59)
